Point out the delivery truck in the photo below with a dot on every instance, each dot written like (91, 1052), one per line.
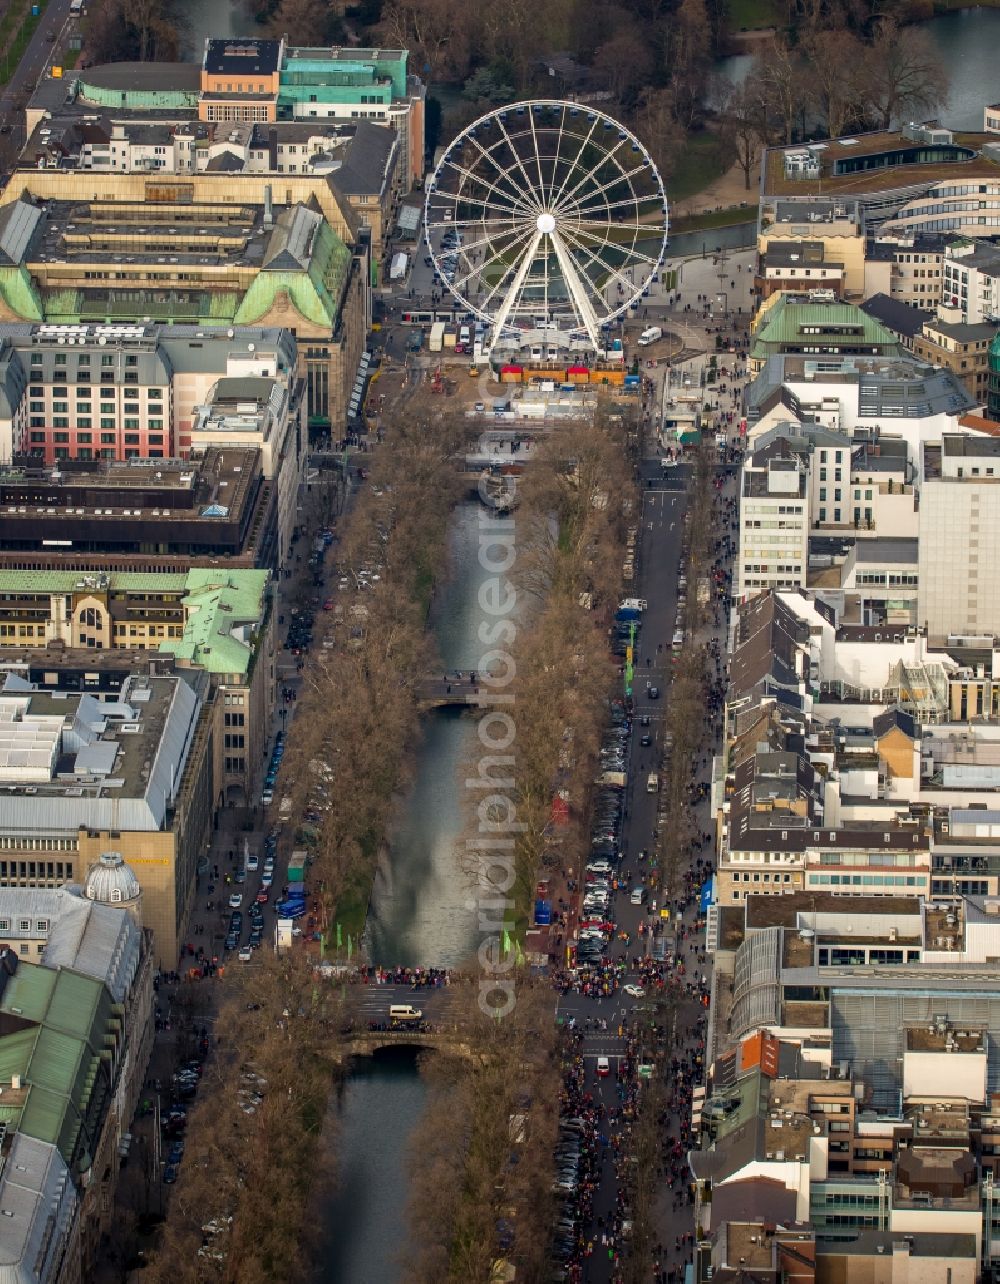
(437, 336)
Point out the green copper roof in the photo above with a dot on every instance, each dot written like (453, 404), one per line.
(67, 581)
(19, 293)
(314, 293)
(222, 608)
(66, 1021)
(222, 613)
(791, 323)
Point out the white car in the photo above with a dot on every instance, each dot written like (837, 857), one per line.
(236, 900)
(253, 862)
(635, 991)
(245, 954)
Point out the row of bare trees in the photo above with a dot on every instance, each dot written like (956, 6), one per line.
(486, 1143)
(481, 1156)
(240, 1211)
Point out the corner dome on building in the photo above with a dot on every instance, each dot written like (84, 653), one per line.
(111, 881)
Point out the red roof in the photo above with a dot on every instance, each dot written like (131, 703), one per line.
(579, 370)
(512, 369)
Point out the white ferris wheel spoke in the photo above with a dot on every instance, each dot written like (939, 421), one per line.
(543, 196)
(515, 287)
(576, 162)
(521, 237)
(528, 185)
(472, 177)
(577, 292)
(509, 268)
(629, 286)
(608, 157)
(582, 237)
(583, 210)
(505, 174)
(603, 198)
(517, 233)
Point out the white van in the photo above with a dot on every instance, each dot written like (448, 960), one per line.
(652, 783)
(404, 1012)
(677, 641)
(638, 896)
(650, 335)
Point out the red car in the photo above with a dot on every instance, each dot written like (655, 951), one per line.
(263, 896)
(328, 604)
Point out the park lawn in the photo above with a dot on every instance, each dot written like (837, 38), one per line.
(730, 217)
(751, 15)
(16, 29)
(700, 163)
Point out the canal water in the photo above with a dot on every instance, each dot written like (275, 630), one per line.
(420, 911)
(364, 1233)
(419, 915)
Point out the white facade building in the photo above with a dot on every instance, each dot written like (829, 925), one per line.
(774, 521)
(960, 538)
(970, 290)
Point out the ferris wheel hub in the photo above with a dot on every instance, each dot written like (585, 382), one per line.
(546, 223)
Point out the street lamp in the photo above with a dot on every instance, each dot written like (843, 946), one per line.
(723, 297)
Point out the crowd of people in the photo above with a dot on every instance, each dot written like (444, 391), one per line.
(597, 1218)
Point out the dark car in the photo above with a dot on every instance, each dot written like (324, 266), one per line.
(171, 1173)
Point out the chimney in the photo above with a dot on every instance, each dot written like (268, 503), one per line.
(268, 208)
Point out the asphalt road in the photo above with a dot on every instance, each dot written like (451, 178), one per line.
(43, 45)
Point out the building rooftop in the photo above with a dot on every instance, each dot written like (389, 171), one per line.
(97, 940)
(795, 321)
(879, 161)
(784, 911)
(896, 315)
(241, 56)
(889, 387)
(963, 331)
(147, 76)
(68, 760)
(960, 446)
(797, 254)
(887, 548)
(38, 1194)
(768, 637)
(223, 617)
(819, 210)
(57, 1022)
(867, 1242)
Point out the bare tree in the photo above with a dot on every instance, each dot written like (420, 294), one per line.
(902, 74)
(744, 127)
(835, 59)
(304, 22)
(779, 73)
(624, 62)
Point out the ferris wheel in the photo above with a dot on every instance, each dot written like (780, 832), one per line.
(546, 217)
